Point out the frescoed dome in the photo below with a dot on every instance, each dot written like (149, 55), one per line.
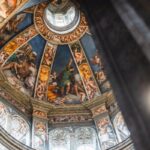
(53, 89)
(52, 60)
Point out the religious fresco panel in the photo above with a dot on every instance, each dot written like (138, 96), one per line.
(22, 67)
(65, 84)
(85, 70)
(106, 133)
(14, 26)
(3, 115)
(86, 138)
(39, 137)
(7, 7)
(17, 42)
(60, 138)
(19, 129)
(120, 127)
(95, 62)
(14, 124)
(73, 138)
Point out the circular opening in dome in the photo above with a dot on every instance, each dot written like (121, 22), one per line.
(63, 20)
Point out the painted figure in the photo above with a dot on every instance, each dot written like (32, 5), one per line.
(39, 135)
(10, 28)
(96, 64)
(65, 78)
(40, 90)
(66, 85)
(78, 56)
(48, 56)
(100, 76)
(106, 133)
(21, 69)
(6, 7)
(78, 87)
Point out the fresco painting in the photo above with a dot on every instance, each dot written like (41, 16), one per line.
(14, 124)
(18, 23)
(121, 127)
(19, 128)
(16, 43)
(39, 135)
(86, 138)
(65, 84)
(95, 62)
(85, 71)
(78, 138)
(60, 138)
(71, 73)
(7, 7)
(43, 77)
(3, 115)
(106, 133)
(21, 68)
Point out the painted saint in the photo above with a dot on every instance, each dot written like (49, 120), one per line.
(65, 84)
(21, 70)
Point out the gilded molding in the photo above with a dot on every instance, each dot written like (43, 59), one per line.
(55, 38)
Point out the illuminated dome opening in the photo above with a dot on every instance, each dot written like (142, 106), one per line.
(62, 18)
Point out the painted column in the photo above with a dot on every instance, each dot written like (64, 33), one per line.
(40, 129)
(106, 134)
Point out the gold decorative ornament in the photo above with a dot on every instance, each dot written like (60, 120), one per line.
(53, 37)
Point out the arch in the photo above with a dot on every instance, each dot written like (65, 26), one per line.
(14, 124)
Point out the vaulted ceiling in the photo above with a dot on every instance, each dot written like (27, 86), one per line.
(40, 61)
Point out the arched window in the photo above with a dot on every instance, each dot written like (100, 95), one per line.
(86, 139)
(59, 139)
(14, 124)
(120, 127)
